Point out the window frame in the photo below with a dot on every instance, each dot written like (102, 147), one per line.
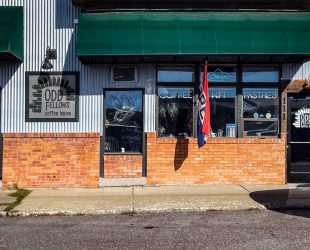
(278, 66)
(176, 82)
(193, 107)
(234, 85)
(238, 85)
(194, 85)
(236, 106)
(142, 153)
(257, 85)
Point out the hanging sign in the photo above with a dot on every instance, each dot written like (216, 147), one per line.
(302, 118)
(52, 96)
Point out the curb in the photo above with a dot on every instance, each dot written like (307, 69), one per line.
(130, 212)
(141, 211)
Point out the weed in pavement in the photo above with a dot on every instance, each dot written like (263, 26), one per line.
(20, 194)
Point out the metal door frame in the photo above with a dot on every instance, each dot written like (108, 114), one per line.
(102, 136)
(289, 177)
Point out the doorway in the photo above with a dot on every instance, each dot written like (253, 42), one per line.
(298, 138)
(123, 142)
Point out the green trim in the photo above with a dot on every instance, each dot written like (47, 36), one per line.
(179, 33)
(11, 34)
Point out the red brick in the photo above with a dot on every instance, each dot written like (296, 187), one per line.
(50, 160)
(225, 161)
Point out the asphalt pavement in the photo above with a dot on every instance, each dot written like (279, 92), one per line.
(255, 229)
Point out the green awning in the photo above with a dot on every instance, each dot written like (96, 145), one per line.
(11, 34)
(179, 33)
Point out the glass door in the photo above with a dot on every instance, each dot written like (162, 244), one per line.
(299, 138)
(123, 124)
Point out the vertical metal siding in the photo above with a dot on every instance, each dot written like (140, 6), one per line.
(296, 71)
(51, 23)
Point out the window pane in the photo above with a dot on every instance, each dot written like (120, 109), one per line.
(260, 103)
(221, 74)
(123, 121)
(124, 74)
(176, 74)
(222, 112)
(260, 128)
(175, 112)
(260, 74)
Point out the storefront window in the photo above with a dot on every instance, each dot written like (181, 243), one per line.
(123, 121)
(260, 111)
(175, 112)
(258, 97)
(222, 112)
(260, 74)
(176, 74)
(260, 103)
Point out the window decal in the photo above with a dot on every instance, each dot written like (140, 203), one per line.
(302, 118)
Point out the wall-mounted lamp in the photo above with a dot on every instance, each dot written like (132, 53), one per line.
(49, 54)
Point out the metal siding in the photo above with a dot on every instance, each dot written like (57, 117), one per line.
(296, 71)
(51, 23)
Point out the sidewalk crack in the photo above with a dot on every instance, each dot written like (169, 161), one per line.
(133, 199)
(245, 188)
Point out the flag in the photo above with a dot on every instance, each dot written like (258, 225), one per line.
(203, 124)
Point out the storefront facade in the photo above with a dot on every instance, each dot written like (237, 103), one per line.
(119, 104)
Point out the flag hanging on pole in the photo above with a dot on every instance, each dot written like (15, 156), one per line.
(203, 124)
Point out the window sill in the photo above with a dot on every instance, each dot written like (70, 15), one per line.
(221, 140)
(120, 153)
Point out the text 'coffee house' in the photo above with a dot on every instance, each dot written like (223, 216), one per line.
(107, 93)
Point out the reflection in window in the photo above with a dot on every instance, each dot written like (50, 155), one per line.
(300, 158)
(123, 121)
(123, 74)
(260, 128)
(260, 103)
(176, 74)
(175, 112)
(260, 74)
(222, 112)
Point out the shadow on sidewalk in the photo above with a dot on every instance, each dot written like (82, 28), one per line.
(295, 201)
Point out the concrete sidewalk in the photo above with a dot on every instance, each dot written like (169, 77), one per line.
(111, 200)
(5, 200)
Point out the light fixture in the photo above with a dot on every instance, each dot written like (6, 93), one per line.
(49, 54)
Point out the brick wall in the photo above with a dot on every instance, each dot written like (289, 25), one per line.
(225, 161)
(122, 166)
(51, 160)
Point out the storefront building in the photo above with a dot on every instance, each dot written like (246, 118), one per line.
(119, 105)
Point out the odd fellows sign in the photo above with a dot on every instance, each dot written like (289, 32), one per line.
(302, 118)
(52, 96)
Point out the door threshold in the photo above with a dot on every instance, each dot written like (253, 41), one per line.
(299, 184)
(122, 182)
